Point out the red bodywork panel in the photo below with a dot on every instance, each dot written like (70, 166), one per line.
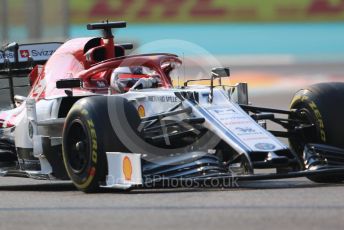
(74, 59)
(71, 61)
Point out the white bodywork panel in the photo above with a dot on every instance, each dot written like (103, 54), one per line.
(35, 112)
(28, 134)
(224, 117)
(124, 170)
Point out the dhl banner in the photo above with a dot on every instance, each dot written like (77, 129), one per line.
(193, 11)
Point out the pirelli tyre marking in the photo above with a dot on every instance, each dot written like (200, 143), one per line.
(94, 150)
(319, 120)
(86, 181)
(316, 111)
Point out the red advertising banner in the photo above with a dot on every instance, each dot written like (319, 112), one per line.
(151, 11)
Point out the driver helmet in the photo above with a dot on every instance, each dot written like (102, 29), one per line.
(123, 78)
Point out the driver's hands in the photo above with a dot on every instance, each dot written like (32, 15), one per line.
(144, 83)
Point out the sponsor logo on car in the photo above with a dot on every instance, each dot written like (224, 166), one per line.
(141, 111)
(224, 111)
(42, 52)
(127, 168)
(265, 146)
(162, 99)
(35, 53)
(8, 55)
(24, 53)
(246, 131)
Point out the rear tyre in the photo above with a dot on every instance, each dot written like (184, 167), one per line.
(87, 136)
(322, 105)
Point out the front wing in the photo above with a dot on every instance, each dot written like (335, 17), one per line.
(127, 170)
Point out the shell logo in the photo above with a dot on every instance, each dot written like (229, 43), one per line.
(127, 168)
(141, 111)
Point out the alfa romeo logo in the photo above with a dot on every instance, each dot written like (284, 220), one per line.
(265, 146)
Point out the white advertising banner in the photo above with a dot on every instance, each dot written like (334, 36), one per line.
(38, 52)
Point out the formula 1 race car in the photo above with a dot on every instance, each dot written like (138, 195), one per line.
(101, 118)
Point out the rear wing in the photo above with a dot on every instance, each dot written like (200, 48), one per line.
(17, 60)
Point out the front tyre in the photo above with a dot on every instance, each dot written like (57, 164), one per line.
(87, 136)
(323, 106)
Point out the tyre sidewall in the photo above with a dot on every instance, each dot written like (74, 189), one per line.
(93, 116)
(323, 103)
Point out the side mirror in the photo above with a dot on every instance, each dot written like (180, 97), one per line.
(220, 72)
(217, 73)
(68, 83)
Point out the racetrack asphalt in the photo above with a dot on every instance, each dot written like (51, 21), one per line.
(285, 204)
(278, 204)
